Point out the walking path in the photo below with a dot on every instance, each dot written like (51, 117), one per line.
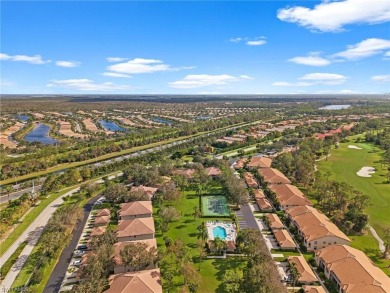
(31, 234)
(381, 243)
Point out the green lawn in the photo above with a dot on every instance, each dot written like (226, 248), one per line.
(343, 165)
(185, 229)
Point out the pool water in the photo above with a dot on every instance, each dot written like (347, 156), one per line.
(219, 232)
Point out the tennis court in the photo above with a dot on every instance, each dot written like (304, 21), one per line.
(215, 206)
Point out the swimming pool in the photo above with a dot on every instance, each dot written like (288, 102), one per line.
(220, 232)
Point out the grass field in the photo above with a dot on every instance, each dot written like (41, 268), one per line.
(215, 205)
(185, 229)
(343, 164)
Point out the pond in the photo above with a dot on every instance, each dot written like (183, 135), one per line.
(23, 118)
(161, 120)
(40, 134)
(203, 117)
(335, 107)
(111, 126)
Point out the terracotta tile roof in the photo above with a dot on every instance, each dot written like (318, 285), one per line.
(137, 282)
(103, 212)
(313, 289)
(97, 231)
(284, 239)
(102, 220)
(135, 208)
(273, 176)
(260, 162)
(275, 222)
(313, 224)
(120, 245)
(187, 173)
(258, 193)
(250, 180)
(263, 203)
(240, 164)
(138, 226)
(150, 191)
(212, 171)
(354, 270)
(289, 195)
(307, 274)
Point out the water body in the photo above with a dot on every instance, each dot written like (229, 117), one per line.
(203, 118)
(23, 118)
(335, 107)
(40, 133)
(111, 126)
(161, 120)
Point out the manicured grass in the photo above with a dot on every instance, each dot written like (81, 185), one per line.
(215, 206)
(369, 245)
(185, 229)
(11, 261)
(343, 165)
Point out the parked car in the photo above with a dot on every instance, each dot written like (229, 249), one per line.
(77, 262)
(82, 247)
(79, 253)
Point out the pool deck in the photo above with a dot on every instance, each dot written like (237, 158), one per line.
(231, 232)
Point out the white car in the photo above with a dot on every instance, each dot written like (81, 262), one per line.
(77, 262)
(79, 253)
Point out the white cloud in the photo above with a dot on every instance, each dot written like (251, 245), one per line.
(284, 83)
(314, 79)
(235, 40)
(87, 85)
(139, 65)
(204, 80)
(67, 64)
(387, 54)
(114, 74)
(256, 43)
(325, 78)
(36, 59)
(332, 16)
(312, 60)
(366, 48)
(116, 59)
(381, 78)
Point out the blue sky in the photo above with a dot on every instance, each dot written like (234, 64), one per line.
(185, 47)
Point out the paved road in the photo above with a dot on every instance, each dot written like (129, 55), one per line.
(245, 218)
(17, 194)
(31, 234)
(58, 274)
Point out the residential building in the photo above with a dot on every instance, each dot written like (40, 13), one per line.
(313, 289)
(273, 176)
(135, 209)
(306, 274)
(135, 229)
(274, 221)
(288, 196)
(316, 229)
(149, 191)
(351, 270)
(284, 240)
(137, 282)
(259, 162)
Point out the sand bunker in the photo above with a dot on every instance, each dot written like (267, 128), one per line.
(366, 172)
(354, 147)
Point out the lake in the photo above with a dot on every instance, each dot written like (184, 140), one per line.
(40, 134)
(335, 107)
(23, 118)
(111, 126)
(161, 120)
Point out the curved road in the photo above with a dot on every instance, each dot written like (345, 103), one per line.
(58, 274)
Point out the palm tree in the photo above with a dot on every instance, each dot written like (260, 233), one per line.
(202, 231)
(218, 244)
(295, 275)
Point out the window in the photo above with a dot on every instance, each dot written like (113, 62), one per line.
(315, 242)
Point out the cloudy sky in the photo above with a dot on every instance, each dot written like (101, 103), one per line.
(183, 47)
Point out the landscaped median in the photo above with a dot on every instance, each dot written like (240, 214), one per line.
(118, 154)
